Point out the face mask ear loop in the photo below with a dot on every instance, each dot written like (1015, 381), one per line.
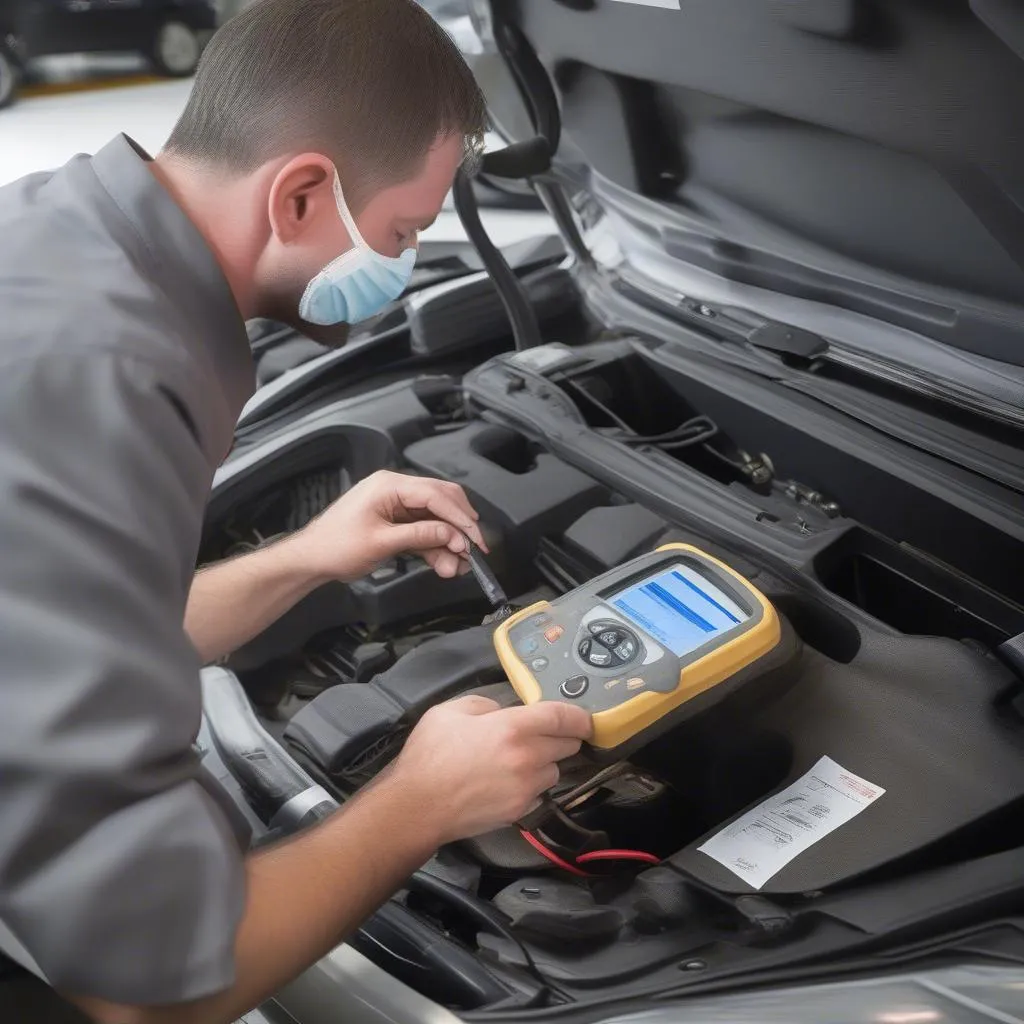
(346, 215)
(358, 242)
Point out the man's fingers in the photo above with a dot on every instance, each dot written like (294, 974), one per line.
(459, 565)
(473, 704)
(548, 777)
(444, 563)
(536, 803)
(460, 497)
(553, 718)
(430, 538)
(421, 536)
(445, 501)
(554, 749)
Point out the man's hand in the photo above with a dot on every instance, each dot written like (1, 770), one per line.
(479, 767)
(384, 515)
(468, 767)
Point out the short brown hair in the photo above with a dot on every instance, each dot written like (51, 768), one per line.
(373, 83)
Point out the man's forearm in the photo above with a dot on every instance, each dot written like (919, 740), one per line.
(304, 897)
(233, 601)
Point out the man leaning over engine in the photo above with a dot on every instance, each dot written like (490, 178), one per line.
(320, 137)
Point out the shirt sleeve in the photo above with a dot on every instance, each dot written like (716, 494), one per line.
(119, 874)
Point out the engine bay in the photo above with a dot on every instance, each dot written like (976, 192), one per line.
(893, 678)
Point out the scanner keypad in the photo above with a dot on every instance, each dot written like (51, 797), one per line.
(610, 645)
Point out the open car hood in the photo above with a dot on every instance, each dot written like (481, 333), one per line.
(854, 157)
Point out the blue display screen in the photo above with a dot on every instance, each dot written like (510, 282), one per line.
(679, 608)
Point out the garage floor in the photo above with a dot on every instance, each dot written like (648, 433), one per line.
(78, 105)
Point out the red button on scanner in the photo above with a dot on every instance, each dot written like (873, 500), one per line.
(554, 634)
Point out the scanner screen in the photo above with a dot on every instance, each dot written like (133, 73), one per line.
(680, 608)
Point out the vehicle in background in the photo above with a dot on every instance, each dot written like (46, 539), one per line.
(11, 65)
(169, 34)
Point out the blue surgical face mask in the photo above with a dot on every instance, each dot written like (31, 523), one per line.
(359, 283)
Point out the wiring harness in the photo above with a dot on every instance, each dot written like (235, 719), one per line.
(577, 850)
(696, 431)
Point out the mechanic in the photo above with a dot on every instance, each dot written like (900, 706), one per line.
(320, 137)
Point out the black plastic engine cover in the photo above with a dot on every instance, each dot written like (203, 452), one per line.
(339, 727)
(558, 910)
(442, 668)
(524, 494)
(920, 717)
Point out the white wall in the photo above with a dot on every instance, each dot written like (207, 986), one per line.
(45, 132)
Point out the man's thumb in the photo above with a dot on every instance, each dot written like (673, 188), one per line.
(419, 536)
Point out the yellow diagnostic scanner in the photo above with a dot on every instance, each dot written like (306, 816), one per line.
(642, 646)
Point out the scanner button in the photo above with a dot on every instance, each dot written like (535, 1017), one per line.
(529, 645)
(596, 627)
(584, 649)
(554, 634)
(540, 620)
(600, 657)
(574, 687)
(626, 650)
(610, 638)
(539, 664)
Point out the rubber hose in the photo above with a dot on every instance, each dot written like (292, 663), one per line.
(285, 797)
(525, 328)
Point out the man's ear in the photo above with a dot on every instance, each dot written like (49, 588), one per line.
(301, 195)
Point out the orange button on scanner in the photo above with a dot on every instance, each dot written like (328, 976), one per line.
(554, 634)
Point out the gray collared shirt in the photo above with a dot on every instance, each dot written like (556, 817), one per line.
(124, 364)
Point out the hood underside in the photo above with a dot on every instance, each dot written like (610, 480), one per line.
(864, 154)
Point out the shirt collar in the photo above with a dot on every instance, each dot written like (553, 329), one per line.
(181, 261)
